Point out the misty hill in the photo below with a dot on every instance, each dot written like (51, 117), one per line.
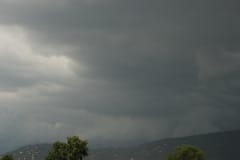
(217, 146)
(31, 152)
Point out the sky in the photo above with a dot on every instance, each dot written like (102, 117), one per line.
(117, 71)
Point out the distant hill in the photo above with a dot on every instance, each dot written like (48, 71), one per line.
(31, 152)
(217, 146)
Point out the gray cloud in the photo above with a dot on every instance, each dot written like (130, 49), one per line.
(111, 69)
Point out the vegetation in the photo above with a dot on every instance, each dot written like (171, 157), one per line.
(187, 152)
(73, 149)
(7, 157)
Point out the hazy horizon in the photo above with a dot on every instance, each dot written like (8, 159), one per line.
(99, 145)
(117, 71)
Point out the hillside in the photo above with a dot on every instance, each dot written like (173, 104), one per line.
(31, 152)
(217, 146)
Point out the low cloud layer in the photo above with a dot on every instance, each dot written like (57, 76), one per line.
(109, 70)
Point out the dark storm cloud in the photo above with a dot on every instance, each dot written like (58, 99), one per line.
(171, 64)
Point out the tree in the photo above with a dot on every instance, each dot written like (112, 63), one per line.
(7, 157)
(73, 149)
(187, 152)
(59, 151)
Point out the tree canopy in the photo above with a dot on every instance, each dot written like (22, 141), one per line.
(7, 157)
(73, 149)
(187, 152)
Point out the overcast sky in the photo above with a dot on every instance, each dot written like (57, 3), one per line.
(117, 71)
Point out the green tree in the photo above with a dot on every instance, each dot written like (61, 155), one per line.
(59, 151)
(73, 149)
(7, 157)
(187, 152)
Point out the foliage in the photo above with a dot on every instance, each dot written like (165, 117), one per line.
(7, 157)
(73, 149)
(187, 152)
